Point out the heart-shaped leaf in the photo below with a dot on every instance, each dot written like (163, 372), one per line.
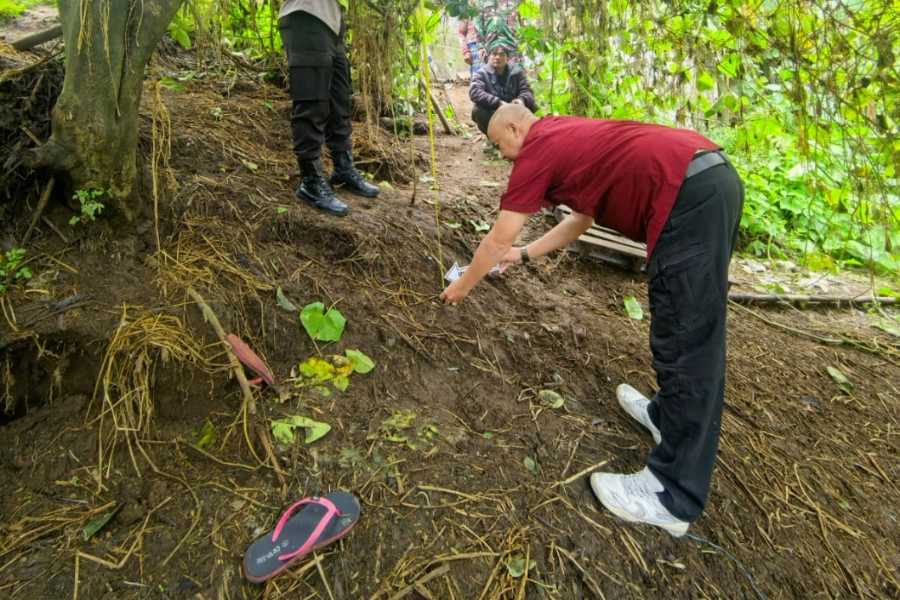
(530, 464)
(321, 325)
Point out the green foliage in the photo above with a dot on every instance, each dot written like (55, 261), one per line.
(247, 29)
(10, 9)
(321, 325)
(633, 308)
(360, 362)
(91, 206)
(318, 373)
(98, 523)
(802, 95)
(11, 269)
(283, 429)
(551, 399)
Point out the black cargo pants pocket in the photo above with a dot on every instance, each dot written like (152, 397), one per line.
(310, 75)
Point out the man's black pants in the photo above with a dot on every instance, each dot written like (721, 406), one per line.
(688, 303)
(320, 85)
(482, 117)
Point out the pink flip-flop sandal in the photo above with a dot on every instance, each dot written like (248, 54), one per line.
(307, 525)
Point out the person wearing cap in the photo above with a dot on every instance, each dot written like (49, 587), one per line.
(498, 83)
(313, 32)
(496, 21)
(675, 190)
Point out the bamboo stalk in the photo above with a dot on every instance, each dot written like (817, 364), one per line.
(746, 298)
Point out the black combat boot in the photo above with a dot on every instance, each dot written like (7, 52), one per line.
(314, 190)
(346, 175)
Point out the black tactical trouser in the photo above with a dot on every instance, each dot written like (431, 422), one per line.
(320, 85)
(688, 303)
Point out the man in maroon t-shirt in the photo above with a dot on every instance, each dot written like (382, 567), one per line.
(675, 190)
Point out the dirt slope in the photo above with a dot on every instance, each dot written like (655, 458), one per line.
(436, 439)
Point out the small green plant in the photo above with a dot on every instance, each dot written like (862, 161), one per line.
(322, 325)
(91, 206)
(317, 372)
(11, 268)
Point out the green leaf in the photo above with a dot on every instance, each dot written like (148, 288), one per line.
(316, 368)
(283, 429)
(361, 363)
(207, 435)
(516, 566)
(251, 166)
(181, 36)
(530, 464)
(705, 81)
(319, 325)
(551, 399)
(280, 210)
(839, 378)
(97, 523)
(284, 302)
(341, 382)
(633, 308)
(888, 327)
(401, 419)
(529, 9)
(452, 224)
(480, 226)
(172, 84)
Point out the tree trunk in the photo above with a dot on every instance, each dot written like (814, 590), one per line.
(95, 122)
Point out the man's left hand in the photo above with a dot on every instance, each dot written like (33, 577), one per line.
(454, 293)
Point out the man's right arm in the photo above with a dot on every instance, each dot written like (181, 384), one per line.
(479, 95)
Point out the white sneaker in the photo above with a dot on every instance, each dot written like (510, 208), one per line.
(634, 499)
(635, 404)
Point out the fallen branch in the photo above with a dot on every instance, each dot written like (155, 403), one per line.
(42, 204)
(808, 299)
(887, 353)
(249, 405)
(36, 39)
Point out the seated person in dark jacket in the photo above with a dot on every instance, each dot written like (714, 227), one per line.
(498, 83)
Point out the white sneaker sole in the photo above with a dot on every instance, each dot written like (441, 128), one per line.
(676, 531)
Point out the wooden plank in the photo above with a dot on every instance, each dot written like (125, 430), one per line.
(602, 236)
(628, 251)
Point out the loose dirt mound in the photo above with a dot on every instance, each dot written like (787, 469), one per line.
(471, 488)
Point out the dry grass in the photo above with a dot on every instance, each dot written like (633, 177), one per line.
(124, 388)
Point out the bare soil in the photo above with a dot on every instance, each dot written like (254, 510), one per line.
(804, 496)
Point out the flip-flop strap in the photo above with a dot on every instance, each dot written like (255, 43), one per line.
(330, 513)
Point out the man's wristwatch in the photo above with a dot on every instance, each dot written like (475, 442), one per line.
(524, 253)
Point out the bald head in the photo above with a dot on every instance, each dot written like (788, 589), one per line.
(508, 128)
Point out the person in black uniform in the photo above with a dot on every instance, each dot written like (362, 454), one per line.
(313, 32)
